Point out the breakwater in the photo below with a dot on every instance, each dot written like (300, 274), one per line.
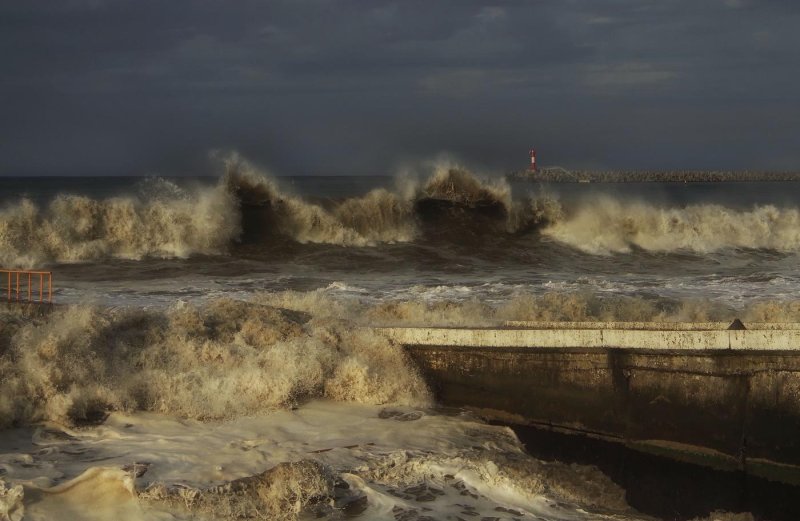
(564, 175)
(700, 393)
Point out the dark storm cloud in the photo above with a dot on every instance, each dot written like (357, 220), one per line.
(352, 86)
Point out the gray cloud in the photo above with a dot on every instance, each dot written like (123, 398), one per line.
(321, 86)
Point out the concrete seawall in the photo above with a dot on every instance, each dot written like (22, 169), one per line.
(698, 392)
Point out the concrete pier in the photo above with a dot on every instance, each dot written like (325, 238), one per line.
(726, 398)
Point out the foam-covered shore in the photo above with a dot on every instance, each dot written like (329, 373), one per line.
(213, 411)
(322, 460)
(210, 413)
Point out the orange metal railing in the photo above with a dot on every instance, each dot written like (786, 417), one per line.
(22, 283)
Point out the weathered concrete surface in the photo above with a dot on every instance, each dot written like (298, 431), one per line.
(732, 395)
(598, 337)
(649, 326)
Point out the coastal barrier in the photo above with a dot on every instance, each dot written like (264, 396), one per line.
(557, 174)
(717, 394)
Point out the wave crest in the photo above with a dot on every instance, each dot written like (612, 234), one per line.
(77, 228)
(607, 225)
(268, 213)
(248, 206)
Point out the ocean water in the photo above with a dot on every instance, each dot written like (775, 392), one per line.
(206, 361)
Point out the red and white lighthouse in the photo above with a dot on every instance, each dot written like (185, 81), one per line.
(532, 165)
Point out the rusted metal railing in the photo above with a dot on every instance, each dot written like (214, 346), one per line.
(20, 284)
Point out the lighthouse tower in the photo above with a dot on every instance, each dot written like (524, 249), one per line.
(532, 164)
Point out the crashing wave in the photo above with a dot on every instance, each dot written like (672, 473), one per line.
(608, 225)
(77, 228)
(249, 207)
(223, 360)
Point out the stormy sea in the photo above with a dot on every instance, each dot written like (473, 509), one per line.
(208, 354)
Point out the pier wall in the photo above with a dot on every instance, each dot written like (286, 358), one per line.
(724, 398)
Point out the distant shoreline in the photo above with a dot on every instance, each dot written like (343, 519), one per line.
(562, 175)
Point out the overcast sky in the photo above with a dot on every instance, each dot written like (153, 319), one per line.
(359, 87)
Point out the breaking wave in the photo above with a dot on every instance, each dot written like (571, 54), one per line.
(554, 306)
(607, 225)
(247, 206)
(450, 201)
(223, 360)
(268, 213)
(77, 228)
